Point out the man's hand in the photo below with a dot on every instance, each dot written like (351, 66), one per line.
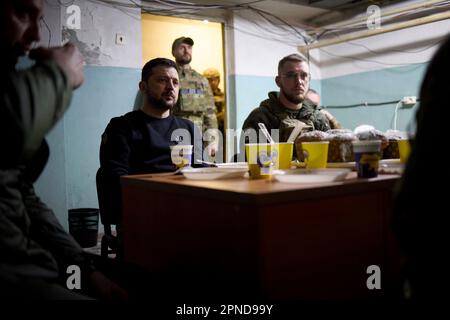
(68, 58)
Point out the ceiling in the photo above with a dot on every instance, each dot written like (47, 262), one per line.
(311, 12)
(315, 17)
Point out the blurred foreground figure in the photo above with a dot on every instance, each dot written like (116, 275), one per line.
(421, 205)
(35, 250)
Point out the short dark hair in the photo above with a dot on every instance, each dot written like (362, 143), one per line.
(148, 67)
(295, 57)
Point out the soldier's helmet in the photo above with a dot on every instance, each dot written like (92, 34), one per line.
(211, 73)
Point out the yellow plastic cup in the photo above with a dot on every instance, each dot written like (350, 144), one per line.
(285, 153)
(404, 148)
(181, 155)
(316, 154)
(263, 158)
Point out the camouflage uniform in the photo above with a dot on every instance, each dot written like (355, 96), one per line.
(196, 101)
(275, 116)
(334, 123)
(219, 101)
(219, 97)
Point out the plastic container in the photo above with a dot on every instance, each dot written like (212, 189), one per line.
(367, 157)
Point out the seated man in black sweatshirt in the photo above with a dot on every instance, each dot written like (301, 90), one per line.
(139, 141)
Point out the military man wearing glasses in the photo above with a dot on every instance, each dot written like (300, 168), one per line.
(288, 108)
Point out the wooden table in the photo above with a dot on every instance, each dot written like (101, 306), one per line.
(272, 240)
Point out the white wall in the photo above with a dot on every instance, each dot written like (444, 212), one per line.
(258, 46)
(100, 23)
(253, 48)
(378, 69)
(393, 49)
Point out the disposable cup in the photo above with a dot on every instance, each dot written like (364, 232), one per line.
(367, 157)
(263, 158)
(181, 155)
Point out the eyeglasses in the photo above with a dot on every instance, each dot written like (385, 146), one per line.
(294, 76)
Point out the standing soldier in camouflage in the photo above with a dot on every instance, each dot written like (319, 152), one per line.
(196, 101)
(213, 76)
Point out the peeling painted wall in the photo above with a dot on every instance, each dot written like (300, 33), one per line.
(99, 26)
(109, 90)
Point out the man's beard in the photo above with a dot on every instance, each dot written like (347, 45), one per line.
(296, 99)
(160, 104)
(184, 61)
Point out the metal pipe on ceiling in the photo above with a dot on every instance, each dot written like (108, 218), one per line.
(385, 13)
(369, 33)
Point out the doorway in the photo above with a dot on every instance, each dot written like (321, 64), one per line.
(158, 33)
